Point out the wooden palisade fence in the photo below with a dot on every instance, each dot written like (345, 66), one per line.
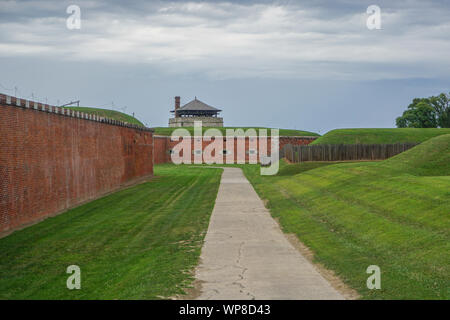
(343, 152)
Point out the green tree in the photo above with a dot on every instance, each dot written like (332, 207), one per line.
(441, 105)
(420, 114)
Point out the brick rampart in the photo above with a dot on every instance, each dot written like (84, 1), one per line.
(53, 158)
(163, 146)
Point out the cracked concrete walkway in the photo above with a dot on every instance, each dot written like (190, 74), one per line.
(246, 255)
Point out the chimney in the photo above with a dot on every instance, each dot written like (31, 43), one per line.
(177, 105)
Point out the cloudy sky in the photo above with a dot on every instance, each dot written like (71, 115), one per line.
(310, 65)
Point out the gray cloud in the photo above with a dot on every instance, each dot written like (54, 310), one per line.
(281, 39)
(281, 63)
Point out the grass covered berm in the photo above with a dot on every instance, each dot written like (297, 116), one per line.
(138, 243)
(164, 131)
(394, 214)
(112, 114)
(380, 136)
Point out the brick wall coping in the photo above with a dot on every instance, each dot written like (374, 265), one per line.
(27, 104)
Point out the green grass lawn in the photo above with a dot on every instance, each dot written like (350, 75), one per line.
(164, 131)
(373, 136)
(112, 114)
(138, 243)
(290, 170)
(393, 213)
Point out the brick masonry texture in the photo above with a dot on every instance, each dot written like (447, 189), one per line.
(163, 145)
(161, 149)
(52, 159)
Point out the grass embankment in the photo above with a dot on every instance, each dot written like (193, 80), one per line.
(394, 214)
(164, 131)
(379, 136)
(112, 114)
(138, 243)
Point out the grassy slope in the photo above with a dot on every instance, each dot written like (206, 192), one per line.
(394, 214)
(290, 170)
(352, 136)
(429, 159)
(134, 244)
(116, 115)
(283, 132)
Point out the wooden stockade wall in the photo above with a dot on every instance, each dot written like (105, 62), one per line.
(343, 152)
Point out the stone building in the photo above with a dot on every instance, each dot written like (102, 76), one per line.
(195, 110)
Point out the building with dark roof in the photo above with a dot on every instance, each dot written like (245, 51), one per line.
(195, 110)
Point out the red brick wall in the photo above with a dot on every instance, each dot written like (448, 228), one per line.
(296, 141)
(50, 162)
(160, 149)
(163, 145)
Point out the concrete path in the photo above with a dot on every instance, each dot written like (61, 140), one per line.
(246, 255)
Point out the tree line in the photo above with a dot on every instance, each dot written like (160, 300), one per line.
(432, 112)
